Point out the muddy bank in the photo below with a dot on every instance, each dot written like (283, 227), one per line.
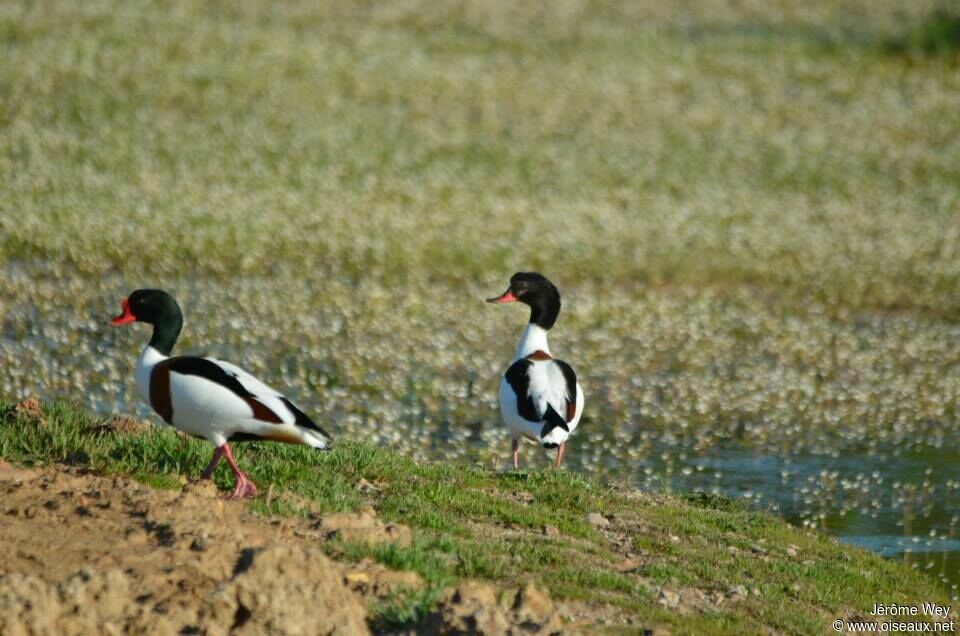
(86, 554)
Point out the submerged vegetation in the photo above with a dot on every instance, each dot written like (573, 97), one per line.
(751, 208)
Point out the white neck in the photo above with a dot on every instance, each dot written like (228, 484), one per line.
(148, 359)
(534, 338)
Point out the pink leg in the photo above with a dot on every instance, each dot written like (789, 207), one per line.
(244, 487)
(560, 453)
(208, 471)
(516, 448)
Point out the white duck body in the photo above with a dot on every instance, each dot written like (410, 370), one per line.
(206, 407)
(209, 398)
(547, 383)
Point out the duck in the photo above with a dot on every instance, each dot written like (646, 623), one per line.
(540, 396)
(209, 398)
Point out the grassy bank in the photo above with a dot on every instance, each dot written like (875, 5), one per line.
(506, 527)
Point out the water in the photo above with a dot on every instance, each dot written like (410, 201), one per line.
(901, 505)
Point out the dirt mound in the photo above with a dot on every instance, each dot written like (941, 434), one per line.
(472, 608)
(370, 578)
(363, 527)
(84, 554)
(284, 590)
(280, 590)
(88, 602)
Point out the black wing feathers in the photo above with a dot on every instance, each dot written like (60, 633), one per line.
(552, 420)
(571, 379)
(519, 380)
(189, 365)
(302, 419)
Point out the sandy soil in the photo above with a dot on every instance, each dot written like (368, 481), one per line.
(84, 554)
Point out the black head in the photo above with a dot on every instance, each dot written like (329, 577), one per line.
(533, 289)
(155, 307)
(147, 305)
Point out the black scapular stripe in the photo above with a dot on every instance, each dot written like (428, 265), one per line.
(519, 380)
(190, 365)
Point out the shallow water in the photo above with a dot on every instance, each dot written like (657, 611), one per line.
(903, 505)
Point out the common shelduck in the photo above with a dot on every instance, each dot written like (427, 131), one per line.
(540, 398)
(210, 398)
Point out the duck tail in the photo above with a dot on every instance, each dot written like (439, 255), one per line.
(555, 430)
(312, 434)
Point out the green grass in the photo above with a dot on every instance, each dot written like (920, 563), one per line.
(713, 147)
(937, 35)
(469, 522)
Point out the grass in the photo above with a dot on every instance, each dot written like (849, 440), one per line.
(937, 35)
(470, 522)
